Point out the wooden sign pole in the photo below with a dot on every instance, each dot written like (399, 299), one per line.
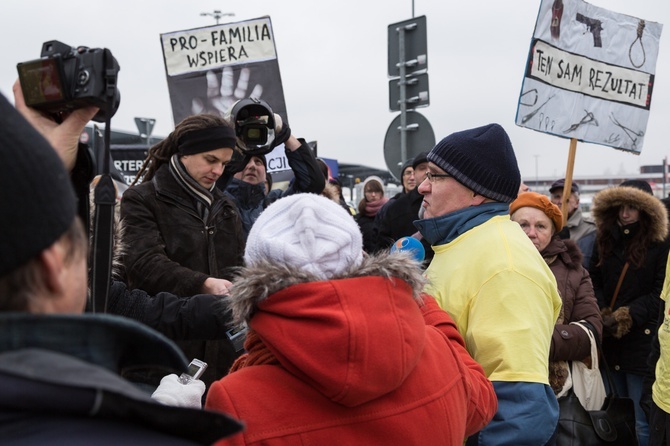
(567, 187)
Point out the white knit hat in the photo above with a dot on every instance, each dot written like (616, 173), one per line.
(306, 231)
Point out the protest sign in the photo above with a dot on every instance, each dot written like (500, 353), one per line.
(590, 75)
(208, 69)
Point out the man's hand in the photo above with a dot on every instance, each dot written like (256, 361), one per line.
(64, 137)
(213, 285)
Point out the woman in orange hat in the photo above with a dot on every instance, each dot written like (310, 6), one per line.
(541, 220)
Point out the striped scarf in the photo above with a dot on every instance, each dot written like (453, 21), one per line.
(203, 197)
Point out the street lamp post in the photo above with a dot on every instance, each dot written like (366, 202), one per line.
(145, 126)
(217, 15)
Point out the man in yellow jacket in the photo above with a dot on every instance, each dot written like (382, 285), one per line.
(491, 279)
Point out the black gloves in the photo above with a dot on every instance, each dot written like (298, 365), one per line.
(282, 135)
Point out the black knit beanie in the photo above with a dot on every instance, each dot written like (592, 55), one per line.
(482, 159)
(419, 158)
(406, 165)
(37, 203)
(260, 157)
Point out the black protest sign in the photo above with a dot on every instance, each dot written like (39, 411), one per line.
(208, 69)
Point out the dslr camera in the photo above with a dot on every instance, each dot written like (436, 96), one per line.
(67, 78)
(254, 125)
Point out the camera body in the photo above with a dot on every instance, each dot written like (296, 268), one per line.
(67, 78)
(254, 125)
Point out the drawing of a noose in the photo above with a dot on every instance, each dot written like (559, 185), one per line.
(523, 95)
(640, 31)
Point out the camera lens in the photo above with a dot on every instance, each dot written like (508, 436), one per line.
(253, 134)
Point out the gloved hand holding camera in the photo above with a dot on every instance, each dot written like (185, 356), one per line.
(282, 130)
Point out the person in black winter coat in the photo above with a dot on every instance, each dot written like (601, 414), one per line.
(184, 236)
(400, 215)
(61, 370)
(408, 184)
(631, 248)
(372, 201)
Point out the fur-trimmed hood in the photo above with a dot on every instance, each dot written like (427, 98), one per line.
(608, 201)
(354, 338)
(253, 285)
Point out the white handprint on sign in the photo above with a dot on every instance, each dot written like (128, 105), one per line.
(222, 95)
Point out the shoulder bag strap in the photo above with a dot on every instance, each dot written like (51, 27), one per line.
(608, 374)
(618, 285)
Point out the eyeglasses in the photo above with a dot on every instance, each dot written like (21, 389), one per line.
(433, 176)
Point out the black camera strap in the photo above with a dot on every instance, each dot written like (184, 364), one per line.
(104, 199)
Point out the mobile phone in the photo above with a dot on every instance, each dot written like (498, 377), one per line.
(195, 370)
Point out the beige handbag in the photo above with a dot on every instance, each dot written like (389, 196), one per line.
(587, 383)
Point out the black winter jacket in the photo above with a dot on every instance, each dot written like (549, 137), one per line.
(59, 387)
(176, 317)
(169, 247)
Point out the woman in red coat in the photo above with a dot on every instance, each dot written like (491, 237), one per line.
(343, 348)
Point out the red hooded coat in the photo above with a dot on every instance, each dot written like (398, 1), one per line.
(357, 360)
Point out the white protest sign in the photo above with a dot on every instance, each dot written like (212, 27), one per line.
(216, 46)
(208, 69)
(590, 75)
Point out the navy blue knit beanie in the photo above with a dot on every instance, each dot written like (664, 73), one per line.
(37, 203)
(482, 159)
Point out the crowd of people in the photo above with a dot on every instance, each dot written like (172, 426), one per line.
(344, 340)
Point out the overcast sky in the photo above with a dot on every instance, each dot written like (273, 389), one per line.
(333, 62)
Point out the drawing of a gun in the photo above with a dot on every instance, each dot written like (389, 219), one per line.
(593, 26)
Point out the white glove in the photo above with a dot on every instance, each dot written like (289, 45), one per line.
(172, 392)
(279, 123)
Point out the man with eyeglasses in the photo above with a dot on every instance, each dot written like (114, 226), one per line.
(488, 275)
